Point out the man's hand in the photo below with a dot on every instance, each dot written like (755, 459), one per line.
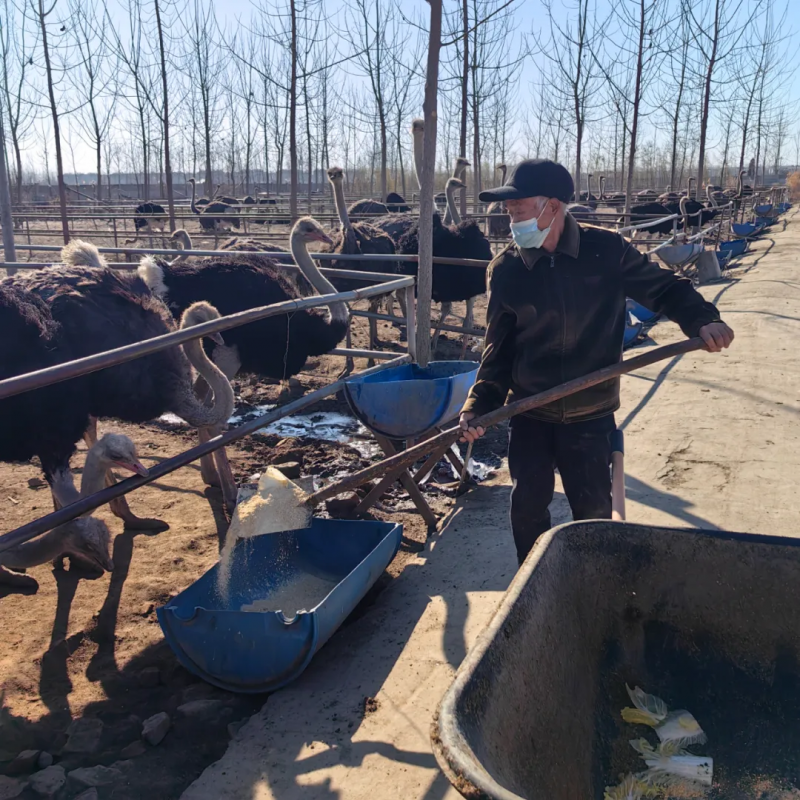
(717, 336)
(470, 434)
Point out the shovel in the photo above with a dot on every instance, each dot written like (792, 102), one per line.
(289, 504)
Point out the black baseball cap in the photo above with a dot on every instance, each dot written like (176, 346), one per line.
(534, 177)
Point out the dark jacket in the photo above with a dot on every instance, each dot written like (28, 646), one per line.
(553, 318)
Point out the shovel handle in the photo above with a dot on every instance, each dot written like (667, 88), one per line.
(412, 454)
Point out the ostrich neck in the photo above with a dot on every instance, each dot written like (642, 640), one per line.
(194, 411)
(602, 187)
(450, 192)
(39, 551)
(341, 208)
(194, 196)
(418, 157)
(316, 278)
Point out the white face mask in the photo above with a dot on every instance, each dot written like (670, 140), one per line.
(527, 234)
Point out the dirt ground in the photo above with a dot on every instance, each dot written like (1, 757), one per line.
(87, 648)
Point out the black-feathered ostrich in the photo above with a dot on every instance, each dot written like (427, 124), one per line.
(396, 203)
(217, 217)
(647, 212)
(276, 347)
(46, 422)
(149, 218)
(453, 283)
(498, 222)
(102, 309)
(357, 238)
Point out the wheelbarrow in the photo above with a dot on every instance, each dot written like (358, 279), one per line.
(325, 570)
(709, 621)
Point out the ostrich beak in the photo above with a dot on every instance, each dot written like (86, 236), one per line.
(217, 338)
(324, 238)
(134, 466)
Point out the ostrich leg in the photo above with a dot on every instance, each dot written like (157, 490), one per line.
(444, 314)
(119, 506)
(469, 322)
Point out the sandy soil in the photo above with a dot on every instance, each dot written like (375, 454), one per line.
(78, 647)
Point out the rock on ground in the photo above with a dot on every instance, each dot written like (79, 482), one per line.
(48, 781)
(84, 735)
(199, 708)
(133, 750)
(45, 760)
(24, 762)
(155, 728)
(11, 787)
(89, 794)
(95, 776)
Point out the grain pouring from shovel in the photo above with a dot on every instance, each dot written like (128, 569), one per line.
(282, 505)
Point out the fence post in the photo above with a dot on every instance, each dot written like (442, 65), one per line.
(411, 322)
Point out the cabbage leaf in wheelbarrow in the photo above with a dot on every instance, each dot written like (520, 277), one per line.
(671, 726)
(669, 765)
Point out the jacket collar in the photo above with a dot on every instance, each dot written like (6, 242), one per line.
(568, 244)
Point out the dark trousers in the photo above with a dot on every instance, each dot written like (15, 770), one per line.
(582, 453)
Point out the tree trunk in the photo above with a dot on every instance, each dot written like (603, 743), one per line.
(62, 189)
(167, 163)
(6, 221)
(425, 271)
(462, 141)
(636, 101)
(293, 119)
(701, 158)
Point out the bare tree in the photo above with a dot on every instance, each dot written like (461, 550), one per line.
(42, 14)
(17, 46)
(165, 115)
(94, 80)
(570, 50)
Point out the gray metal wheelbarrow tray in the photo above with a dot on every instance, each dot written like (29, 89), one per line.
(707, 620)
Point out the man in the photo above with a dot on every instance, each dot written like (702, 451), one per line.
(557, 312)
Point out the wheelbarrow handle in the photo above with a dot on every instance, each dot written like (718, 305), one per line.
(397, 463)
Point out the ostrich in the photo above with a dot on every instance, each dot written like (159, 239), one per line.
(182, 239)
(217, 216)
(102, 309)
(275, 347)
(459, 172)
(645, 212)
(358, 238)
(149, 218)
(84, 540)
(498, 223)
(396, 204)
(453, 283)
(49, 421)
(587, 197)
(260, 219)
(668, 196)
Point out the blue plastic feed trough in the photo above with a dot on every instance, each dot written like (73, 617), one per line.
(763, 210)
(639, 311)
(736, 248)
(325, 569)
(405, 402)
(764, 222)
(632, 331)
(746, 229)
(723, 257)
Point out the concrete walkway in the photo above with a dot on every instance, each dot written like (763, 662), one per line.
(711, 442)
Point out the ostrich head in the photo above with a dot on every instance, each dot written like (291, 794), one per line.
(197, 314)
(89, 539)
(182, 238)
(417, 126)
(453, 184)
(335, 174)
(309, 230)
(116, 449)
(462, 164)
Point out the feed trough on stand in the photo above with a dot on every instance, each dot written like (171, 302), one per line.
(723, 257)
(287, 594)
(746, 230)
(679, 256)
(736, 247)
(408, 401)
(708, 621)
(639, 311)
